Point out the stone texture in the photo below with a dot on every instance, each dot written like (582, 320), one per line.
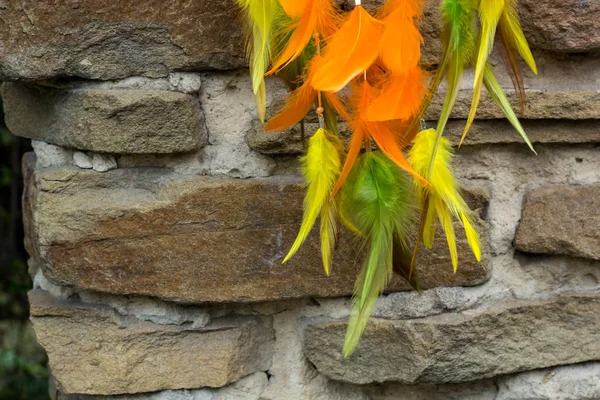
(504, 337)
(103, 162)
(492, 131)
(82, 160)
(94, 350)
(248, 388)
(107, 39)
(561, 219)
(569, 26)
(108, 121)
(198, 239)
(48, 155)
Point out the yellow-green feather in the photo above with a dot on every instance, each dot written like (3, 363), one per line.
(320, 166)
(511, 27)
(497, 94)
(377, 198)
(489, 15)
(443, 191)
(260, 15)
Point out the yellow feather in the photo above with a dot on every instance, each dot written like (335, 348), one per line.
(446, 221)
(431, 156)
(321, 167)
(329, 233)
(489, 15)
(260, 15)
(510, 25)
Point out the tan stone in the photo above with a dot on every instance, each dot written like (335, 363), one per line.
(492, 131)
(94, 350)
(198, 239)
(108, 39)
(562, 220)
(111, 121)
(502, 338)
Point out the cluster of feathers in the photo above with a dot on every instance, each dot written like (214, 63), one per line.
(366, 70)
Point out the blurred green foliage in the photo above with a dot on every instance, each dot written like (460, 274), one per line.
(23, 373)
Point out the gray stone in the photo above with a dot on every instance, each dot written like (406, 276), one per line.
(106, 121)
(103, 162)
(185, 82)
(107, 39)
(500, 338)
(561, 219)
(94, 350)
(572, 382)
(49, 155)
(82, 160)
(144, 231)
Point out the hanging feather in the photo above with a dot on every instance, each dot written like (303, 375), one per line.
(400, 49)
(498, 96)
(363, 131)
(320, 167)
(431, 156)
(458, 39)
(349, 52)
(490, 12)
(259, 16)
(294, 8)
(377, 198)
(514, 43)
(318, 16)
(399, 98)
(300, 101)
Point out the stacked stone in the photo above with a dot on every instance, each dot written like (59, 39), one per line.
(158, 212)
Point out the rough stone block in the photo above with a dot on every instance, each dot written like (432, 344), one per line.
(94, 350)
(501, 338)
(199, 239)
(107, 39)
(109, 121)
(561, 219)
(569, 26)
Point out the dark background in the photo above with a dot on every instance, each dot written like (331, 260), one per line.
(23, 373)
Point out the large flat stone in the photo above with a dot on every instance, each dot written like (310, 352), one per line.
(199, 239)
(483, 132)
(112, 121)
(502, 338)
(107, 39)
(94, 350)
(561, 219)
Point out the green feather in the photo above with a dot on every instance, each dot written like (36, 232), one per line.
(377, 198)
(459, 43)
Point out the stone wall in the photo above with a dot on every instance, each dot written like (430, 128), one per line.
(157, 214)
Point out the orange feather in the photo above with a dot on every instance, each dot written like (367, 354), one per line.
(349, 52)
(400, 49)
(300, 101)
(295, 108)
(387, 140)
(294, 8)
(400, 97)
(318, 16)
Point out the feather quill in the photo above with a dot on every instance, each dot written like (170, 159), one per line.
(377, 199)
(349, 52)
(259, 16)
(431, 156)
(320, 167)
